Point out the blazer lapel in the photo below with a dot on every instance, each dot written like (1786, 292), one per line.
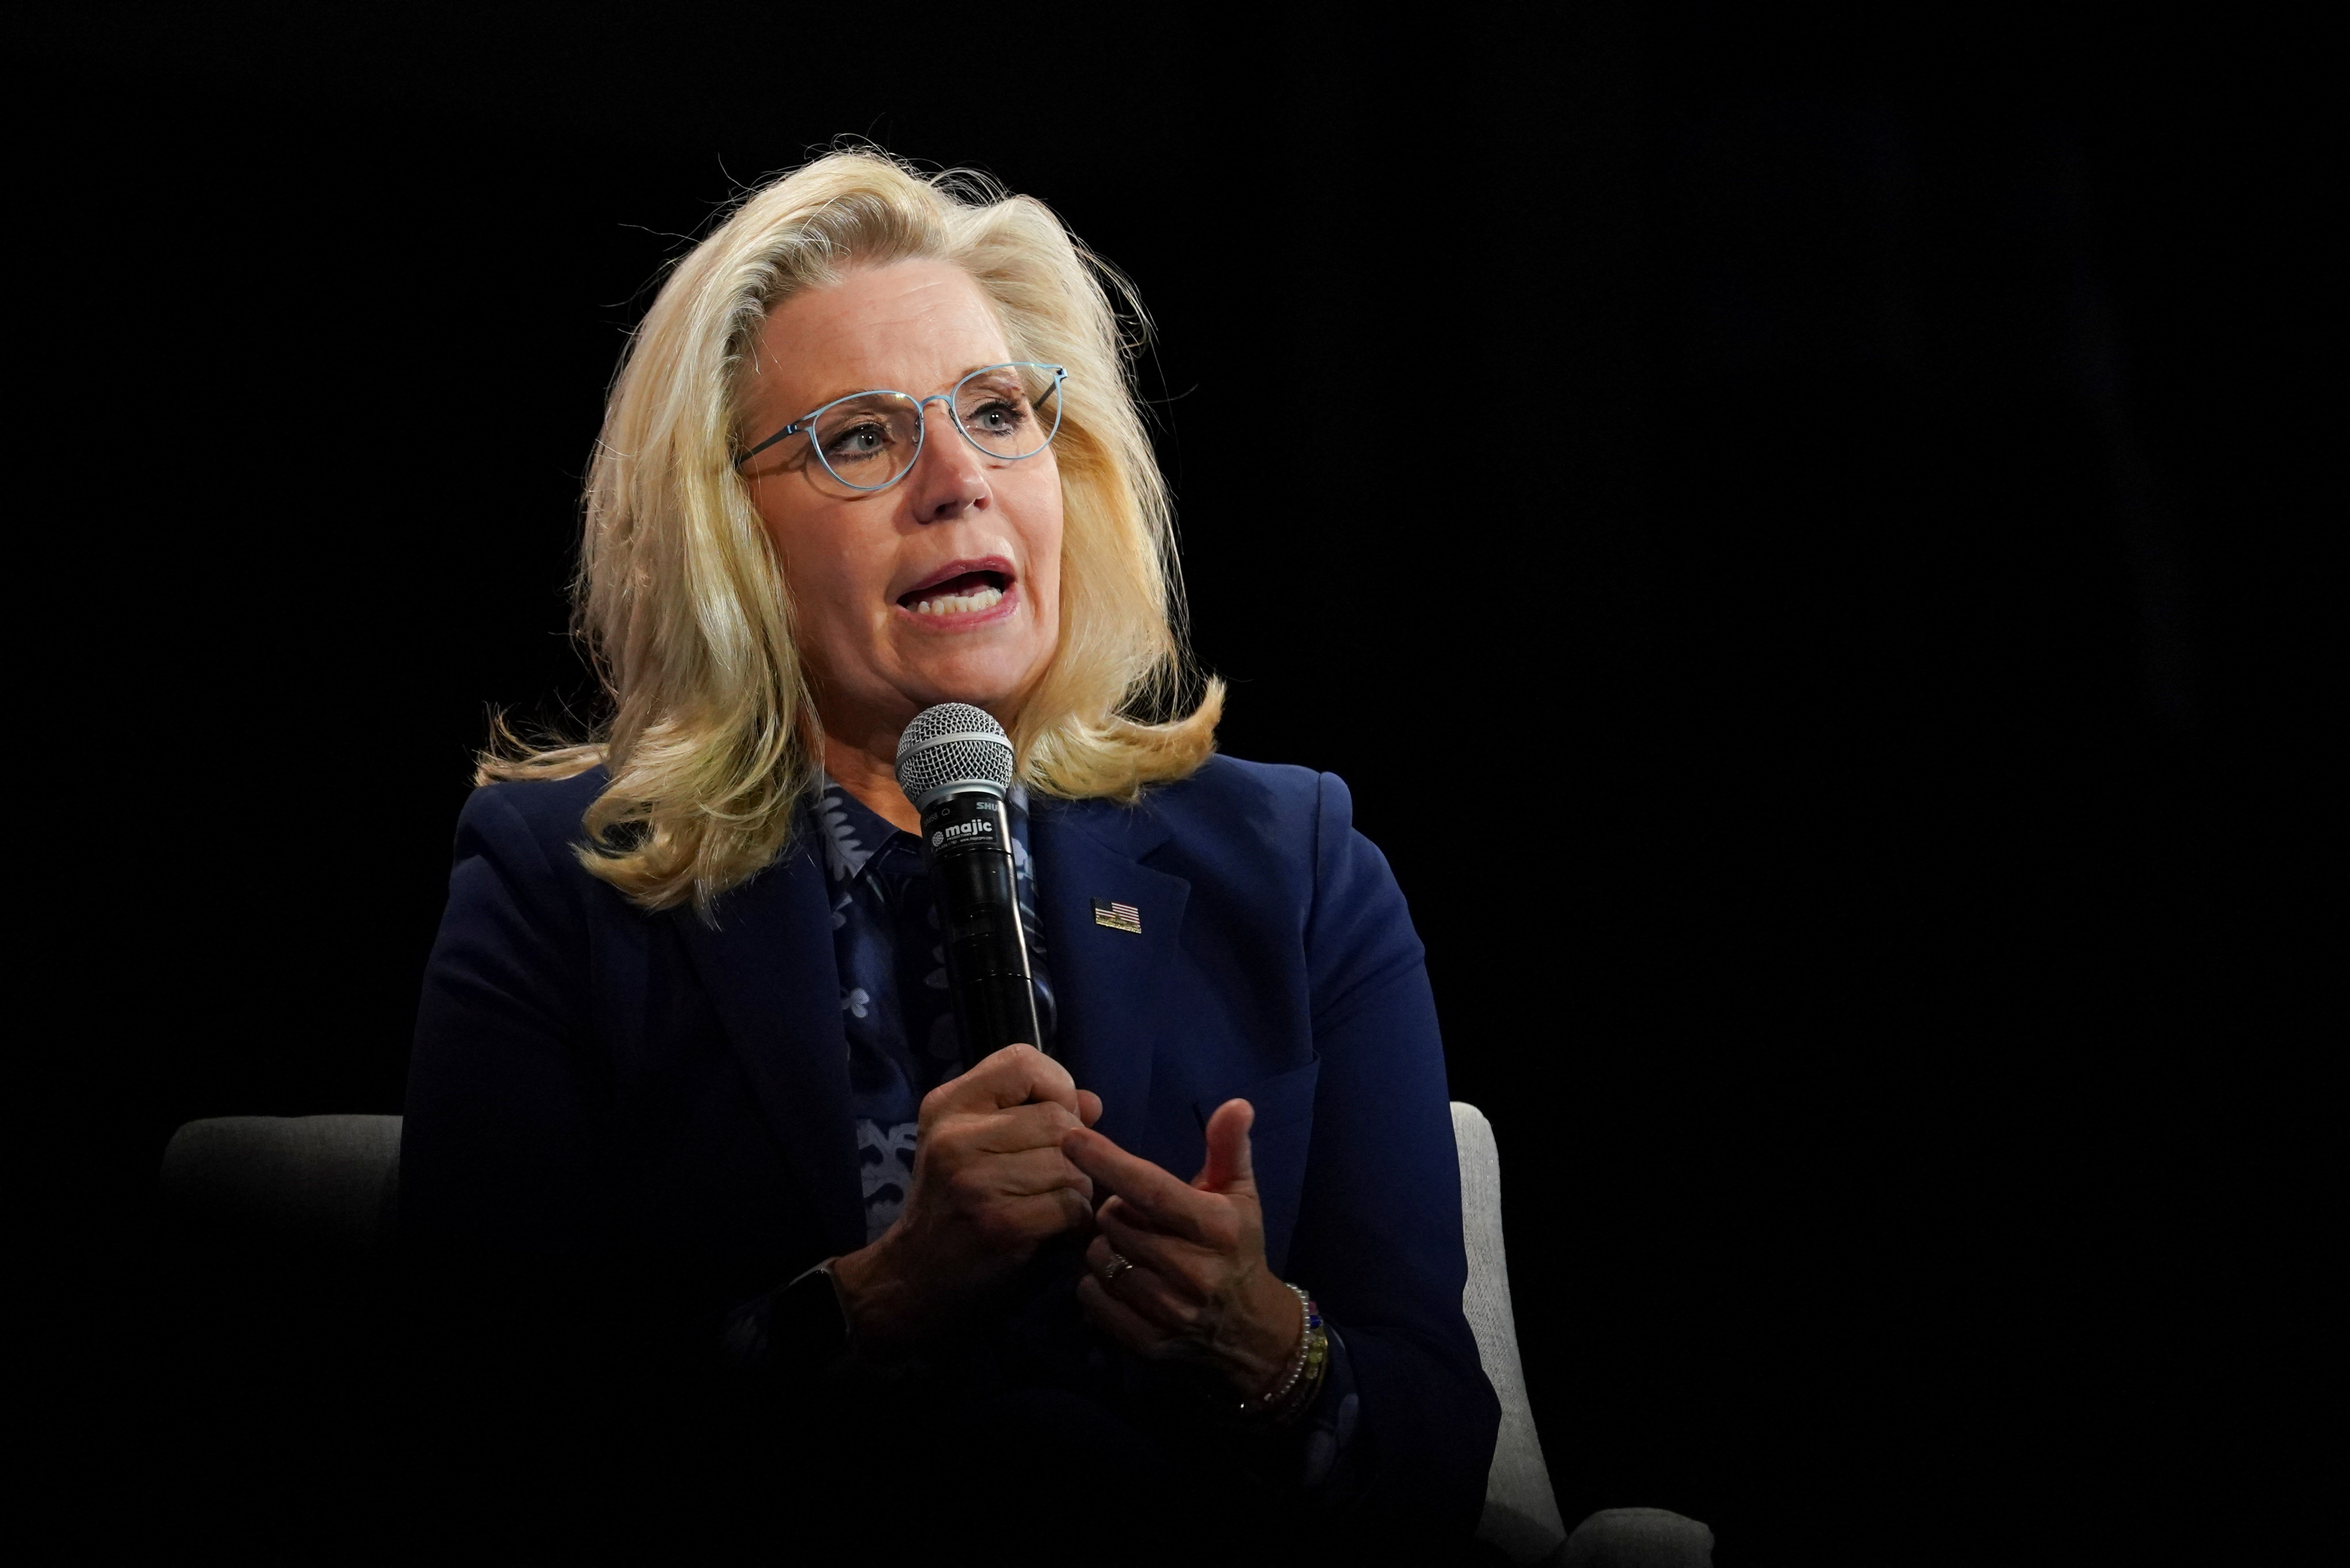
(1108, 981)
(768, 968)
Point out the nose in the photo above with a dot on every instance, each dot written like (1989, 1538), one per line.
(949, 477)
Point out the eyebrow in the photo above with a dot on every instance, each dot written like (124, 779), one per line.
(798, 420)
(961, 376)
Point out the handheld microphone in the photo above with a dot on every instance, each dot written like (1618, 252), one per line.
(954, 762)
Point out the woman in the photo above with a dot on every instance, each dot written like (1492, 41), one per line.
(684, 1077)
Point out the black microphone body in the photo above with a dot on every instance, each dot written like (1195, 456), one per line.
(954, 762)
(967, 848)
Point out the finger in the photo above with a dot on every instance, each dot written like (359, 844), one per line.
(1011, 1076)
(1148, 1296)
(1010, 1131)
(1020, 1175)
(1017, 1223)
(1178, 1259)
(1164, 1304)
(1142, 1285)
(1163, 1201)
(1075, 1210)
(1089, 1106)
(1230, 1167)
(1121, 1322)
(1150, 1196)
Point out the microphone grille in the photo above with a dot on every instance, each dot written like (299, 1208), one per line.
(952, 745)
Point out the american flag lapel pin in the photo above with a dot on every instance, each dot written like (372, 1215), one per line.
(1117, 917)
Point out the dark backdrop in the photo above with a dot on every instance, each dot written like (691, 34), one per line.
(1797, 538)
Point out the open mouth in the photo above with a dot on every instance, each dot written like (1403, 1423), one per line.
(960, 593)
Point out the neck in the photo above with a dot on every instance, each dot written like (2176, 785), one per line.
(871, 775)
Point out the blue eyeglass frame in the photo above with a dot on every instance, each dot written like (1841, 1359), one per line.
(922, 421)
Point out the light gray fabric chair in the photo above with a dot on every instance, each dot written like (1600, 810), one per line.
(1638, 1538)
(1521, 1515)
(331, 1185)
(322, 1184)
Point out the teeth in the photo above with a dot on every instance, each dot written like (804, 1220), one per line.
(960, 604)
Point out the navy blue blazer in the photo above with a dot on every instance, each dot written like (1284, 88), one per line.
(593, 1082)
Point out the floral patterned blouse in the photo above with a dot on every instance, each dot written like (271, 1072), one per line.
(894, 1007)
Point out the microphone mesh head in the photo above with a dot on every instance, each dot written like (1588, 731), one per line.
(953, 745)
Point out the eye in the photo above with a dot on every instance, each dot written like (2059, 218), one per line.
(864, 438)
(998, 417)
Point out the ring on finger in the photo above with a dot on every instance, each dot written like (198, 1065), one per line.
(1118, 1264)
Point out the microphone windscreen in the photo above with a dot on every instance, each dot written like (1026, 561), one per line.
(953, 746)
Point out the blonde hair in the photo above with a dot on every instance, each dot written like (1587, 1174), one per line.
(712, 741)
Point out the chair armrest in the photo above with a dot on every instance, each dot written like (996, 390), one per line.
(1638, 1538)
(326, 1184)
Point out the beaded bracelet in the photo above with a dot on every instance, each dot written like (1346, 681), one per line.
(1296, 1388)
(1301, 1398)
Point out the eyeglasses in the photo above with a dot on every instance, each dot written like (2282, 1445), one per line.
(868, 441)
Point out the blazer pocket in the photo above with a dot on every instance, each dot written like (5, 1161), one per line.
(1280, 1142)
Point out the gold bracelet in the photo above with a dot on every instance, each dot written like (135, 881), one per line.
(1306, 1367)
(1301, 1395)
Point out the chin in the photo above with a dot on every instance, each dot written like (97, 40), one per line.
(983, 683)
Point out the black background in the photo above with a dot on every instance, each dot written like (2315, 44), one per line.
(1802, 539)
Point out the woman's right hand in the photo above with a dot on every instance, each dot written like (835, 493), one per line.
(991, 1185)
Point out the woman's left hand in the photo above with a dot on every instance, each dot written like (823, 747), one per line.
(1198, 1290)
